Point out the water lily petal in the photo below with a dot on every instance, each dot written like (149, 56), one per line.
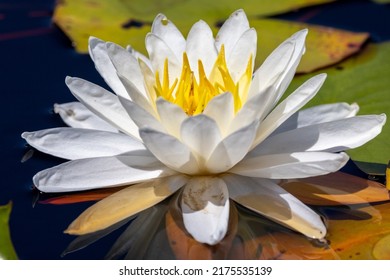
(125, 203)
(171, 116)
(168, 32)
(76, 115)
(201, 134)
(319, 114)
(159, 52)
(332, 136)
(252, 110)
(103, 64)
(279, 67)
(205, 208)
(138, 97)
(289, 106)
(243, 50)
(289, 166)
(231, 31)
(200, 46)
(267, 198)
(101, 172)
(139, 56)
(232, 149)
(102, 103)
(169, 150)
(126, 65)
(221, 109)
(77, 143)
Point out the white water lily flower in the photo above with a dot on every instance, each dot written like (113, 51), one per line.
(194, 116)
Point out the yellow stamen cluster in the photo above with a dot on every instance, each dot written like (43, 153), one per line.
(193, 95)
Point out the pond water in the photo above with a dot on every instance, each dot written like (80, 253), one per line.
(36, 57)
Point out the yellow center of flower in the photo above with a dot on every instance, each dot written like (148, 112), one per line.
(193, 94)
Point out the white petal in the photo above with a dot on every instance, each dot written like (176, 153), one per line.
(267, 198)
(169, 150)
(253, 109)
(243, 50)
(200, 46)
(78, 143)
(232, 149)
(279, 67)
(205, 207)
(168, 32)
(319, 114)
(290, 166)
(289, 106)
(102, 172)
(138, 97)
(231, 31)
(125, 203)
(77, 115)
(332, 136)
(201, 134)
(139, 56)
(171, 116)
(126, 65)
(103, 64)
(102, 103)
(221, 109)
(159, 51)
(140, 116)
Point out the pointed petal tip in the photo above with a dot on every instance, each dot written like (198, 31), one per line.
(25, 135)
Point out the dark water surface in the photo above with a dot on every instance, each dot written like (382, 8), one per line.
(35, 58)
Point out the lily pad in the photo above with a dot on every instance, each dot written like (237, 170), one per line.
(7, 251)
(127, 22)
(362, 79)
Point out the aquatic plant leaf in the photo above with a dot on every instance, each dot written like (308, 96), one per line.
(7, 251)
(128, 21)
(362, 79)
(324, 45)
(336, 189)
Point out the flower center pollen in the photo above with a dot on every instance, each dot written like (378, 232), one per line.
(193, 94)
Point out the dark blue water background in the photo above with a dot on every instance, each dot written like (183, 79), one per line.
(35, 58)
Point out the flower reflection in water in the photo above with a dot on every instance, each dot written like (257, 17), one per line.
(356, 211)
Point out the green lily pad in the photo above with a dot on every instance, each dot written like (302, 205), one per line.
(363, 79)
(7, 251)
(126, 22)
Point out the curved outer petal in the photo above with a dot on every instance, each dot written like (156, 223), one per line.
(169, 150)
(221, 109)
(200, 46)
(102, 172)
(279, 67)
(231, 31)
(126, 65)
(288, 107)
(139, 56)
(232, 149)
(290, 166)
(76, 115)
(244, 49)
(159, 51)
(332, 136)
(78, 143)
(171, 116)
(205, 208)
(267, 198)
(201, 134)
(102, 103)
(103, 64)
(125, 203)
(168, 32)
(319, 114)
